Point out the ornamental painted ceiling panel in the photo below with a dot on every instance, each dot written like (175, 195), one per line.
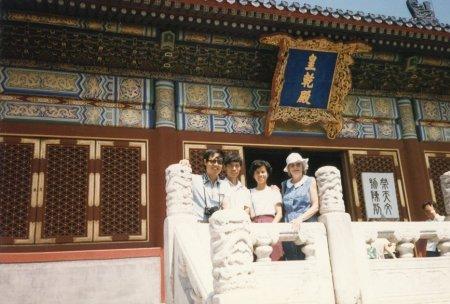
(68, 46)
(204, 59)
(18, 109)
(124, 90)
(433, 120)
(363, 117)
(214, 108)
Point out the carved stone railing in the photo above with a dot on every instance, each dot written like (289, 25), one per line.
(405, 279)
(237, 279)
(232, 256)
(265, 235)
(214, 263)
(404, 235)
(339, 235)
(182, 280)
(192, 267)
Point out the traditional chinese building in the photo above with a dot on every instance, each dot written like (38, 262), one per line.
(97, 98)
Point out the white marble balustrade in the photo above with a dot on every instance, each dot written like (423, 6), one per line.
(213, 263)
(406, 279)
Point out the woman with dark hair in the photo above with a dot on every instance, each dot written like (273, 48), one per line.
(265, 201)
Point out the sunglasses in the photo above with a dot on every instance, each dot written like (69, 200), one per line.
(218, 161)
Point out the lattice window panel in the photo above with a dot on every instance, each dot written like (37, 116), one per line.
(196, 160)
(122, 202)
(18, 182)
(63, 191)
(374, 161)
(194, 152)
(437, 165)
(66, 213)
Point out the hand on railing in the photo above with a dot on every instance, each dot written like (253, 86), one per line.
(296, 223)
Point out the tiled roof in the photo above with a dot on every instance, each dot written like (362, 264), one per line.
(339, 13)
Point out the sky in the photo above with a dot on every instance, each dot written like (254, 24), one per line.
(395, 8)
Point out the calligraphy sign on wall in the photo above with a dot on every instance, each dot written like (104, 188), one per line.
(380, 196)
(310, 82)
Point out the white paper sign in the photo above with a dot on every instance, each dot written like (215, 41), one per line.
(380, 197)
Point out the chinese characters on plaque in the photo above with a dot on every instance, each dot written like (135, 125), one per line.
(308, 78)
(310, 83)
(380, 197)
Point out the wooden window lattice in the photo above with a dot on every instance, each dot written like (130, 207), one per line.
(66, 193)
(196, 160)
(17, 215)
(63, 191)
(120, 191)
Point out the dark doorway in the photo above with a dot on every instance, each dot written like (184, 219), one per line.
(277, 159)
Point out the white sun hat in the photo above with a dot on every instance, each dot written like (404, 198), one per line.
(296, 158)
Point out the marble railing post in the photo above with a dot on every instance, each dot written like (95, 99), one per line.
(444, 242)
(305, 237)
(444, 247)
(347, 287)
(179, 208)
(405, 241)
(232, 257)
(445, 187)
(263, 239)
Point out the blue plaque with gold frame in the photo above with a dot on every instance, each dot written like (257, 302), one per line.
(311, 80)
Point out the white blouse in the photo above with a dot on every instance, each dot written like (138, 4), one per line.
(264, 201)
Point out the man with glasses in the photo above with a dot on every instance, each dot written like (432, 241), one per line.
(208, 190)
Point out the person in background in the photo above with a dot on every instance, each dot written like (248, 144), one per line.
(208, 190)
(300, 200)
(238, 196)
(432, 215)
(265, 201)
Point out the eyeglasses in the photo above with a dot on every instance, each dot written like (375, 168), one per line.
(218, 161)
(295, 165)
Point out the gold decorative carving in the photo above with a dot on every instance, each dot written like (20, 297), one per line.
(93, 87)
(130, 89)
(331, 118)
(42, 80)
(196, 37)
(240, 97)
(197, 95)
(111, 27)
(42, 19)
(130, 117)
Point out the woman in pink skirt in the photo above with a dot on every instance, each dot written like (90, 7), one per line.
(266, 202)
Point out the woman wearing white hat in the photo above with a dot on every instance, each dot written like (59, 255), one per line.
(300, 199)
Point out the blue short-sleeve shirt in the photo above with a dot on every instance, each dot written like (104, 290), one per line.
(296, 198)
